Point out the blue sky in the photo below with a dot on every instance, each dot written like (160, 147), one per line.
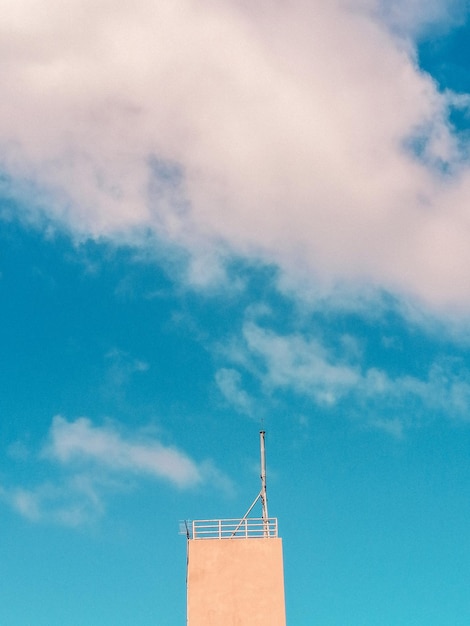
(216, 218)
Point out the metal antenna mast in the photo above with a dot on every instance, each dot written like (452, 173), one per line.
(263, 496)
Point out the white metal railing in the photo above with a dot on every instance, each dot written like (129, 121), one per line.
(248, 527)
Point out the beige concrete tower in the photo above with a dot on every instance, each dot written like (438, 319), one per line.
(235, 572)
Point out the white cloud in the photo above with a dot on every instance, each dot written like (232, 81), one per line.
(273, 130)
(304, 365)
(90, 462)
(82, 442)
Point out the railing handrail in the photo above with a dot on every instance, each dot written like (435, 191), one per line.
(233, 528)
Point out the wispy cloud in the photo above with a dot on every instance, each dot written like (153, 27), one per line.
(229, 381)
(70, 501)
(300, 363)
(306, 366)
(417, 17)
(90, 462)
(120, 367)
